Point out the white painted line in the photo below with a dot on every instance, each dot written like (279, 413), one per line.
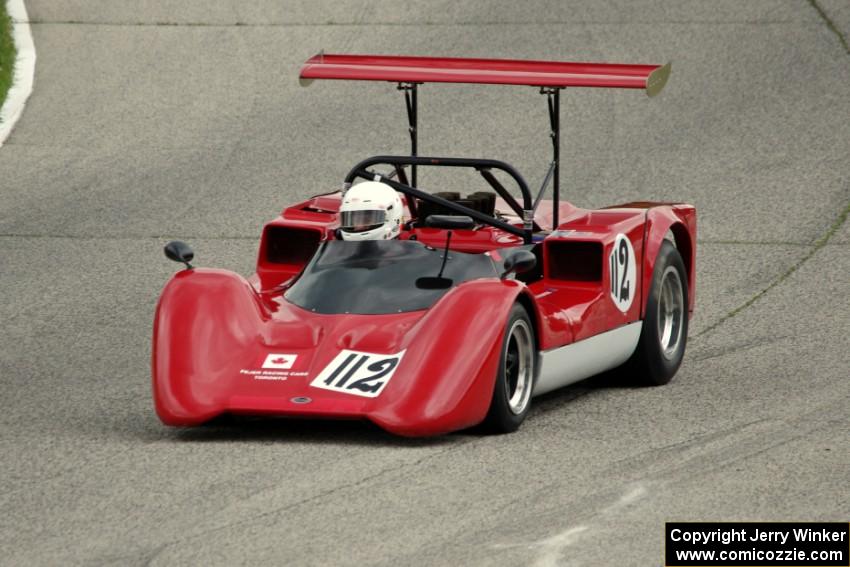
(636, 493)
(553, 547)
(550, 551)
(24, 73)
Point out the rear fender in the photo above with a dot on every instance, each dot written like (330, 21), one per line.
(681, 221)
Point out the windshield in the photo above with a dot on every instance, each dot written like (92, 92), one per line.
(382, 276)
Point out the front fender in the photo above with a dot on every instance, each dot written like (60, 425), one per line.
(451, 361)
(203, 316)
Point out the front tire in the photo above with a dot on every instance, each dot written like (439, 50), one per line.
(515, 377)
(661, 346)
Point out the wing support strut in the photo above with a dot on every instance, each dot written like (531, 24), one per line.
(409, 90)
(553, 95)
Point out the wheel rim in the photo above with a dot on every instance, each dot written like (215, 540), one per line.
(519, 367)
(671, 312)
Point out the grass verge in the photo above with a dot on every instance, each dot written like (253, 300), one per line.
(7, 52)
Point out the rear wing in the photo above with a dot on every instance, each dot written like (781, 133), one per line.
(558, 74)
(550, 76)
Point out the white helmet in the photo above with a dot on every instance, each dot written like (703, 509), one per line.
(370, 211)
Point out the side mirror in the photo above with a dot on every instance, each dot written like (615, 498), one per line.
(452, 222)
(179, 252)
(519, 262)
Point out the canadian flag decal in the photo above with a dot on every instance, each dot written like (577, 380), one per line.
(280, 361)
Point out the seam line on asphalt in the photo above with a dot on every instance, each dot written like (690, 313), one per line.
(820, 242)
(417, 24)
(830, 24)
(724, 242)
(257, 238)
(252, 518)
(817, 245)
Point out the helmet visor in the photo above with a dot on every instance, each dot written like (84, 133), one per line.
(361, 221)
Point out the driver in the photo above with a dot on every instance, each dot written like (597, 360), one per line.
(370, 211)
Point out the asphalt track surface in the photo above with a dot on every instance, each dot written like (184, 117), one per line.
(184, 119)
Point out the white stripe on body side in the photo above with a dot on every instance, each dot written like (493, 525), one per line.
(575, 362)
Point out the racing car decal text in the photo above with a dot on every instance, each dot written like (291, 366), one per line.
(358, 373)
(622, 275)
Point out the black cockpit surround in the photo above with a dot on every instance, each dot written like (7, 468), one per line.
(380, 277)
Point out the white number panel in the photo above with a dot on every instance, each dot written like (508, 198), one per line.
(358, 373)
(623, 276)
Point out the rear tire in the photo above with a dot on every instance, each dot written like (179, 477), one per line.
(661, 346)
(515, 376)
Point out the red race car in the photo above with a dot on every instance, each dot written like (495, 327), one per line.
(427, 313)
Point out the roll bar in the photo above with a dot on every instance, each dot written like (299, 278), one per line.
(483, 166)
(550, 76)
